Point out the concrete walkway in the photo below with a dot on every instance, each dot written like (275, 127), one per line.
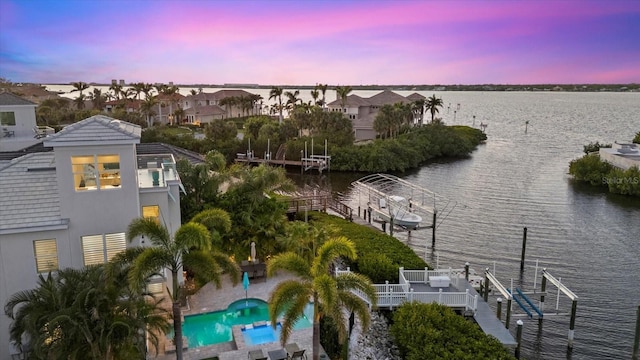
(209, 299)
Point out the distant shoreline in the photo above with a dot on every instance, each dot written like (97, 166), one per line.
(482, 87)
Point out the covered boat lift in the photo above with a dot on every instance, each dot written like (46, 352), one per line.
(380, 194)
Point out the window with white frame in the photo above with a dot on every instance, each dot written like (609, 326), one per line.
(46, 254)
(99, 249)
(95, 172)
(7, 118)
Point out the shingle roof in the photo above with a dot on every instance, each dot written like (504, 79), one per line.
(29, 191)
(98, 128)
(416, 96)
(352, 100)
(387, 97)
(7, 98)
(221, 94)
(205, 110)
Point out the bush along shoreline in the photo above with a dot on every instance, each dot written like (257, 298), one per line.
(409, 150)
(596, 172)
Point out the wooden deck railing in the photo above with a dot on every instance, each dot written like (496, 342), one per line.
(393, 295)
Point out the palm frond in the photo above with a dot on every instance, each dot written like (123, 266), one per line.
(290, 262)
(285, 294)
(331, 250)
(193, 235)
(355, 281)
(157, 234)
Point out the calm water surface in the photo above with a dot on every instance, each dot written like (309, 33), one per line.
(586, 237)
(589, 239)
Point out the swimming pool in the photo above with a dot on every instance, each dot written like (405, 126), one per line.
(216, 327)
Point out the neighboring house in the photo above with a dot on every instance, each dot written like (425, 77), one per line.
(362, 111)
(230, 108)
(130, 105)
(165, 110)
(204, 114)
(17, 122)
(70, 205)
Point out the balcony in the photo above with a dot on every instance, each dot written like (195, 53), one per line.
(154, 171)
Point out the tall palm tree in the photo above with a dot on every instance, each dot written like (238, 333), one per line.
(97, 99)
(190, 247)
(323, 91)
(80, 86)
(315, 93)
(276, 93)
(343, 92)
(331, 295)
(432, 105)
(117, 90)
(418, 110)
(292, 99)
(147, 108)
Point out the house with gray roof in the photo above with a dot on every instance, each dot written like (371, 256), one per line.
(70, 206)
(362, 111)
(17, 122)
(197, 107)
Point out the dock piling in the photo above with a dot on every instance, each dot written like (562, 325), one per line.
(636, 339)
(572, 322)
(466, 271)
(524, 247)
(519, 338)
(433, 234)
(499, 309)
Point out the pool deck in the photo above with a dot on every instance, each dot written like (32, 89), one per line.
(210, 299)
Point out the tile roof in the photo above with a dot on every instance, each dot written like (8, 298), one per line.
(206, 110)
(416, 96)
(162, 148)
(387, 97)
(7, 98)
(29, 191)
(352, 100)
(98, 128)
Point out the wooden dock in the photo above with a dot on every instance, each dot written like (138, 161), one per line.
(313, 162)
(318, 203)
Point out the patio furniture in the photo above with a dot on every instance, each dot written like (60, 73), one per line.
(257, 355)
(279, 354)
(294, 352)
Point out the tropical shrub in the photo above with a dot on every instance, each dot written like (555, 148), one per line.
(378, 268)
(624, 182)
(637, 138)
(434, 331)
(590, 168)
(372, 242)
(594, 147)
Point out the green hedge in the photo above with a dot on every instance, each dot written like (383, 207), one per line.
(433, 331)
(372, 245)
(408, 150)
(591, 169)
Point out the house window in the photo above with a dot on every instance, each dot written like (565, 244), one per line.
(46, 254)
(99, 249)
(152, 211)
(93, 172)
(7, 118)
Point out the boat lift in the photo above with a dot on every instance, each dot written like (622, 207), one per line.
(379, 192)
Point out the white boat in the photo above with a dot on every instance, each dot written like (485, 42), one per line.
(398, 208)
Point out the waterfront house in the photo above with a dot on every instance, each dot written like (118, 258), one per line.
(220, 98)
(69, 204)
(362, 111)
(18, 123)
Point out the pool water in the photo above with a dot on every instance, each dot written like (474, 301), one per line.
(215, 327)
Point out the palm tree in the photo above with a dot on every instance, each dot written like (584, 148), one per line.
(292, 99)
(343, 92)
(191, 247)
(330, 294)
(276, 93)
(97, 99)
(315, 93)
(117, 90)
(86, 313)
(432, 104)
(147, 108)
(80, 86)
(418, 110)
(323, 91)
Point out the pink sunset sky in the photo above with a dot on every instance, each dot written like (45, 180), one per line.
(333, 42)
